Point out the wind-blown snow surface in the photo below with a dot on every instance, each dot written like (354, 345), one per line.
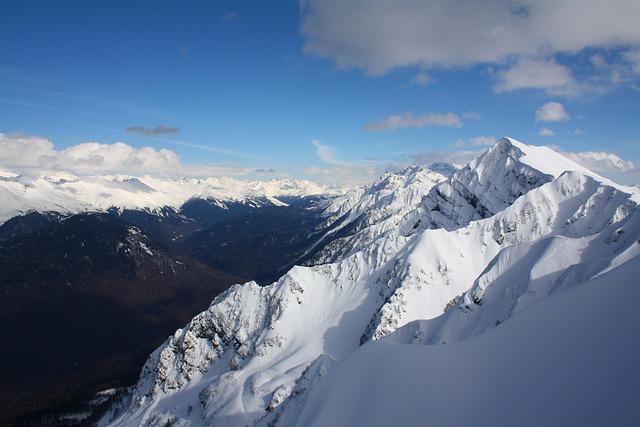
(490, 229)
(570, 360)
(67, 193)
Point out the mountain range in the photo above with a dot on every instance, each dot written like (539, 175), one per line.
(499, 295)
(96, 271)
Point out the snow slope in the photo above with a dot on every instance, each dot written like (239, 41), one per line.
(569, 360)
(523, 275)
(66, 193)
(255, 353)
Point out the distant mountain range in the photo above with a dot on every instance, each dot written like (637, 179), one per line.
(66, 193)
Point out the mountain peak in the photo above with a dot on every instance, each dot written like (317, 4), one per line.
(543, 158)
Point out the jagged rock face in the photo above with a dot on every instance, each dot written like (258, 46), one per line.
(236, 361)
(484, 187)
(366, 214)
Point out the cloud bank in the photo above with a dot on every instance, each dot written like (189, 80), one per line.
(35, 154)
(28, 154)
(522, 37)
(600, 161)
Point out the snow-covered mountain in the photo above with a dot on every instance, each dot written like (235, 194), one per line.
(66, 193)
(366, 213)
(469, 252)
(479, 190)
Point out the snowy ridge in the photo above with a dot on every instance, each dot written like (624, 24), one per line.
(67, 193)
(486, 186)
(388, 193)
(489, 184)
(238, 362)
(365, 214)
(574, 205)
(521, 275)
(492, 182)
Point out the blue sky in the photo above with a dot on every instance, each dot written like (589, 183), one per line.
(251, 85)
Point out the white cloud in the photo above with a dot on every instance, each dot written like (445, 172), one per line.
(601, 161)
(408, 120)
(617, 68)
(24, 151)
(529, 73)
(483, 140)
(93, 156)
(378, 35)
(579, 131)
(35, 154)
(546, 132)
(551, 112)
